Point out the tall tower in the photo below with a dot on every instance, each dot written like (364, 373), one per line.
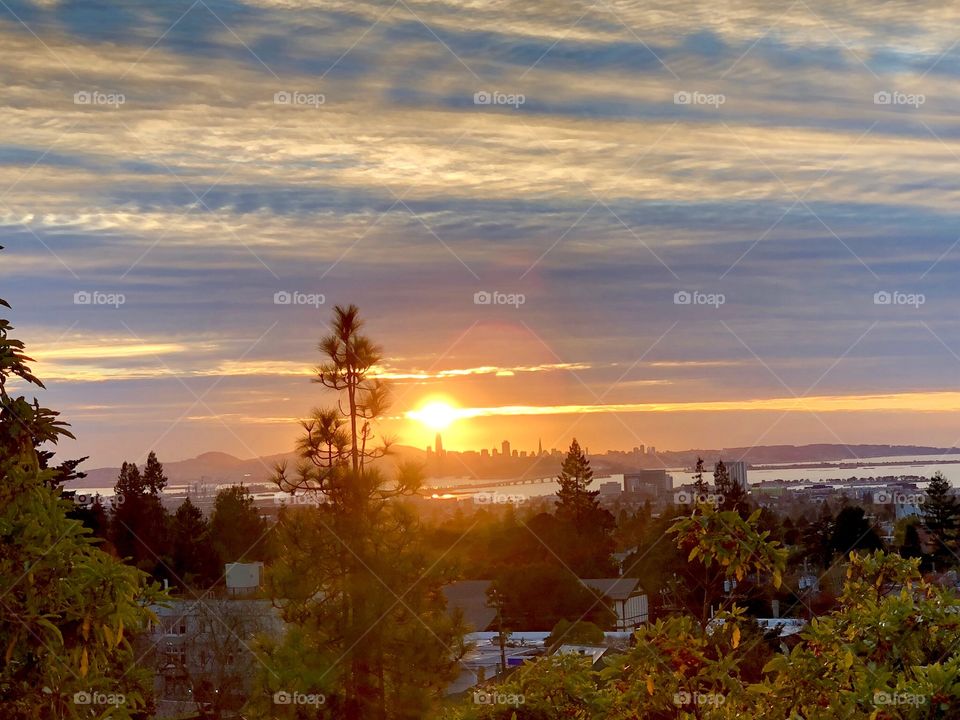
(438, 445)
(539, 447)
(505, 448)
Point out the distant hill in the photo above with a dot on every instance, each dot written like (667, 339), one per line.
(219, 468)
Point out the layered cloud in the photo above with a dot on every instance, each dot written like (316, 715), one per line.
(603, 161)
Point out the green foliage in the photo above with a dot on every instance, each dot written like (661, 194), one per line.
(238, 532)
(728, 547)
(562, 686)
(68, 611)
(139, 521)
(577, 632)
(196, 562)
(852, 531)
(888, 651)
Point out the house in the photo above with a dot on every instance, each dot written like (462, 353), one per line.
(627, 599)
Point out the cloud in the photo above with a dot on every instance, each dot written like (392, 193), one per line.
(598, 197)
(935, 402)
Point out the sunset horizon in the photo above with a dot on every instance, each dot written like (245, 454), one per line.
(463, 360)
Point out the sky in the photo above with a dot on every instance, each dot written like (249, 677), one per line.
(664, 223)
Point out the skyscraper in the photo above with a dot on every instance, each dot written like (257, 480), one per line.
(505, 448)
(438, 445)
(738, 473)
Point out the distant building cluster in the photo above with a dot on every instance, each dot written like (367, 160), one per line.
(504, 451)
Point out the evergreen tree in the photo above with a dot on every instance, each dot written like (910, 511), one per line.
(69, 610)
(94, 516)
(852, 531)
(236, 529)
(911, 547)
(941, 513)
(195, 559)
(139, 523)
(358, 578)
(576, 503)
(586, 546)
(154, 479)
(734, 496)
(699, 484)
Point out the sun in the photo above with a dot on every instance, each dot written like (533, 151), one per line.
(436, 414)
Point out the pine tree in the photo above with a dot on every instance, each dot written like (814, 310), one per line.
(154, 479)
(941, 513)
(237, 531)
(734, 497)
(699, 484)
(576, 502)
(138, 526)
(587, 549)
(195, 559)
(358, 578)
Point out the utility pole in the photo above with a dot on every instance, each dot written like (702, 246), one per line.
(498, 603)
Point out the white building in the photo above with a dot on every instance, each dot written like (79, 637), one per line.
(244, 578)
(738, 473)
(627, 599)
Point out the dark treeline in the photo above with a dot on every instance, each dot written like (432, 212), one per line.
(184, 548)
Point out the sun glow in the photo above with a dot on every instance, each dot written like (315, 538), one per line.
(436, 414)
